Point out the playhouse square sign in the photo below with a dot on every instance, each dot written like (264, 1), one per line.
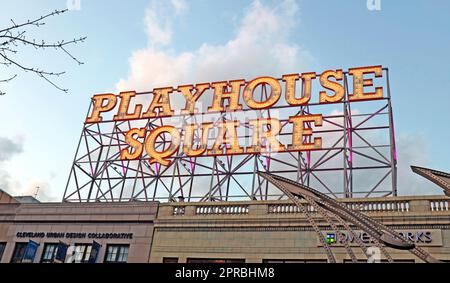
(232, 96)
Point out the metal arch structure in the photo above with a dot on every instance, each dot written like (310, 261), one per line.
(338, 214)
(442, 179)
(358, 158)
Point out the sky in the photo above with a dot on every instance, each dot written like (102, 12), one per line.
(147, 43)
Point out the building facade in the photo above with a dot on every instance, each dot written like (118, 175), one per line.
(117, 232)
(275, 231)
(251, 232)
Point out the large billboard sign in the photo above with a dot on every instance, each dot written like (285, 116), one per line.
(173, 136)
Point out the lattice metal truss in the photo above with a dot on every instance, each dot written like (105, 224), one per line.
(357, 159)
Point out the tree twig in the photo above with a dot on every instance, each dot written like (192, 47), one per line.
(14, 36)
(35, 22)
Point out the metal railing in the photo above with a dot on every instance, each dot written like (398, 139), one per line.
(287, 208)
(222, 209)
(370, 205)
(378, 206)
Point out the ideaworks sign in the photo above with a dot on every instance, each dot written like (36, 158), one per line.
(420, 237)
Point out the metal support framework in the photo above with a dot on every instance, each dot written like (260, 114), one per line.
(335, 213)
(357, 159)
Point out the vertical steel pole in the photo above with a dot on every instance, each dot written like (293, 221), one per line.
(392, 138)
(345, 125)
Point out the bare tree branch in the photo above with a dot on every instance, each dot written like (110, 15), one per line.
(36, 22)
(26, 69)
(12, 37)
(39, 45)
(6, 81)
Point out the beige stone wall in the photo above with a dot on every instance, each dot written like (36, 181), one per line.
(254, 231)
(255, 235)
(136, 218)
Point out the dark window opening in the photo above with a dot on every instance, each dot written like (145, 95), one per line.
(82, 253)
(170, 260)
(2, 249)
(116, 253)
(49, 253)
(18, 253)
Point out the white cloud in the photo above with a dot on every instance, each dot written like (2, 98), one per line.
(260, 47)
(38, 189)
(9, 148)
(412, 150)
(180, 6)
(7, 183)
(158, 20)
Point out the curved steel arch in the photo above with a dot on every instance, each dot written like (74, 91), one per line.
(329, 208)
